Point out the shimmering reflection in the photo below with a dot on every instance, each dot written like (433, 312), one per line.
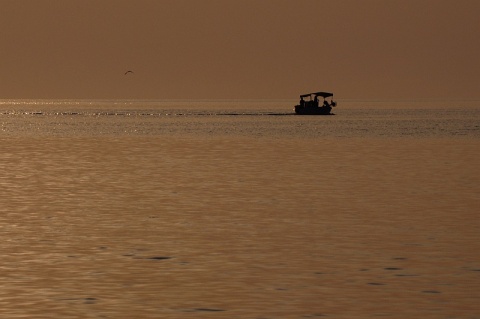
(237, 226)
(260, 119)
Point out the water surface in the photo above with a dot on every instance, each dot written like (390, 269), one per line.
(239, 209)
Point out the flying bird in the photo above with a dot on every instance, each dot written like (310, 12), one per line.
(129, 72)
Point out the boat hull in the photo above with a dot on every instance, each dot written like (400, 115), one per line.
(313, 110)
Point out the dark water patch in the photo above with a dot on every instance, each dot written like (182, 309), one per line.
(376, 284)
(159, 258)
(90, 300)
(392, 268)
(364, 269)
(431, 291)
(209, 309)
(406, 275)
(399, 258)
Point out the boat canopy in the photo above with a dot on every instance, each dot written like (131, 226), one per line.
(322, 94)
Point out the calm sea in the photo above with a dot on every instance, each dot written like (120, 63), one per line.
(239, 209)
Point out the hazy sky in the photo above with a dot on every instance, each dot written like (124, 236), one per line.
(212, 49)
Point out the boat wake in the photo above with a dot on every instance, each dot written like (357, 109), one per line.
(140, 113)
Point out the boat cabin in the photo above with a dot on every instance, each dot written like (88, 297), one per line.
(310, 105)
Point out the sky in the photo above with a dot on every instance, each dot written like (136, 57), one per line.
(239, 49)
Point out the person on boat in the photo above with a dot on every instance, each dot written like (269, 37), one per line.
(302, 102)
(315, 101)
(325, 103)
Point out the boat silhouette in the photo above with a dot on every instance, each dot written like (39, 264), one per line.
(312, 105)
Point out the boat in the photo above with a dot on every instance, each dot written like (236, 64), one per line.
(312, 107)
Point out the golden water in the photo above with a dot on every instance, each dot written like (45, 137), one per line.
(120, 211)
